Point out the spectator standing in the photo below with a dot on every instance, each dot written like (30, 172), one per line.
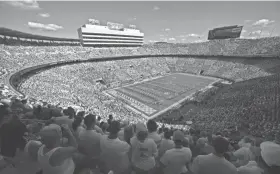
(12, 136)
(152, 134)
(52, 156)
(104, 127)
(128, 133)
(144, 151)
(177, 159)
(98, 121)
(166, 143)
(89, 141)
(68, 118)
(215, 162)
(121, 132)
(114, 152)
(110, 119)
(77, 127)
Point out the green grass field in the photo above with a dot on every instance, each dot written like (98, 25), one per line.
(153, 96)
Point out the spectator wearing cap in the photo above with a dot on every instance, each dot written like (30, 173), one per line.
(177, 159)
(215, 162)
(52, 156)
(152, 132)
(144, 150)
(166, 143)
(114, 152)
(89, 140)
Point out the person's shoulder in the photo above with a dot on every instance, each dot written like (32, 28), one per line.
(150, 141)
(204, 157)
(170, 151)
(231, 166)
(122, 143)
(186, 149)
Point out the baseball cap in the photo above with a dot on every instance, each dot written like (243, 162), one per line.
(141, 127)
(178, 136)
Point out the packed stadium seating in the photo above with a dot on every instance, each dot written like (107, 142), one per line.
(252, 99)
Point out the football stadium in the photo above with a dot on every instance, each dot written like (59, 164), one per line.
(117, 105)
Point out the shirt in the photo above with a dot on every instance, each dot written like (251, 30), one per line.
(89, 143)
(175, 160)
(143, 153)
(11, 135)
(67, 167)
(156, 137)
(121, 134)
(165, 145)
(212, 164)
(114, 153)
(63, 120)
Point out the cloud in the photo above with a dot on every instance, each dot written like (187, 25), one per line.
(25, 4)
(152, 41)
(193, 35)
(156, 8)
(265, 34)
(167, 29)
(263, 22)
(44, 15)
(197, 41)
(247, 21)
(172, 39)
(47, 27)
(253, 37)
(244, 31)
(256, 32)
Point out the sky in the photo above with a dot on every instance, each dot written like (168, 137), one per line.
(180, 22)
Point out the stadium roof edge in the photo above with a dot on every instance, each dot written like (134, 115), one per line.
(227, 27)
(15, 33)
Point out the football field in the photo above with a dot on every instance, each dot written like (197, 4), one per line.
(153, 96)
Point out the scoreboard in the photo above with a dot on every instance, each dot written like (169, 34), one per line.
(225, 32)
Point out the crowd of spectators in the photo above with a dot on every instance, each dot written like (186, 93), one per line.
(74, 141)
(248, 107)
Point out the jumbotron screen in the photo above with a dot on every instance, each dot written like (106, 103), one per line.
(225, 32)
